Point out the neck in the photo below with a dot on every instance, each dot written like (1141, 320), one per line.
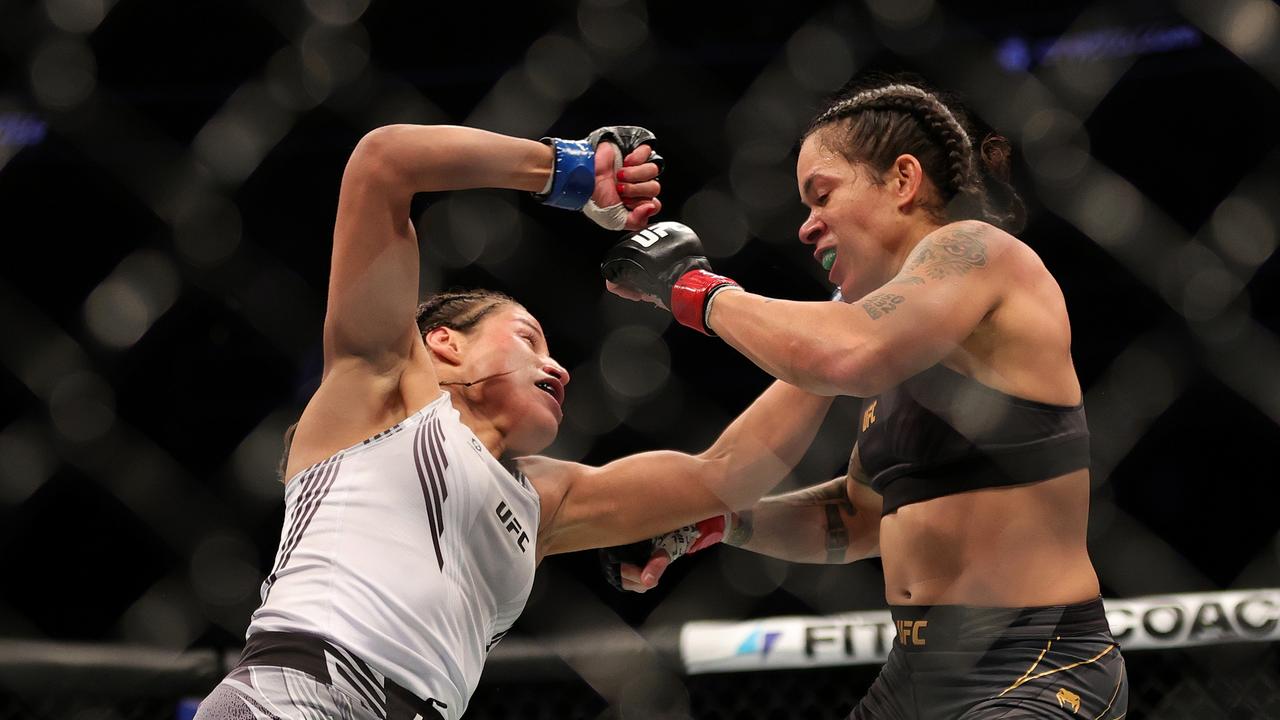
(912, 236)
(485, 427)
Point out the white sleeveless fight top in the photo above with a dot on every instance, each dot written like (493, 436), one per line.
(413, 549)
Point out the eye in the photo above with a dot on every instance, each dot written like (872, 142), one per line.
(529, 339)
(822, 199)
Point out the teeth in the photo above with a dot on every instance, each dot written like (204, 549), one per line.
(828, 259)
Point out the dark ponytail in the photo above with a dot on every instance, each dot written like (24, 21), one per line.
(1002, 206)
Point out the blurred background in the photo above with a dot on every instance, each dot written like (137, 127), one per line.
(168, 182)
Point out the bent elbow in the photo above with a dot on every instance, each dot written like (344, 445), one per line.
(375, 158)
(727, 491)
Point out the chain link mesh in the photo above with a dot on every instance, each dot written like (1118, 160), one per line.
(167, 185)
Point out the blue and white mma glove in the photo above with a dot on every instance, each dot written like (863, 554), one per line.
(573, 179)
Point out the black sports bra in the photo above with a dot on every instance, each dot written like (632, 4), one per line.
(941, 433)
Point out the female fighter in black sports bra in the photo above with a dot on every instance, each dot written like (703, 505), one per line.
(970, 476)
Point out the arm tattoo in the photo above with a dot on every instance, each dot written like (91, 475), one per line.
(828, 493)
(837, 534)
(952, 254)
(740, 531)
(877, 306)
(906, 280)
(833, 498)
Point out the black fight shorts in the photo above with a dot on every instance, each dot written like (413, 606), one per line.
(952, 662)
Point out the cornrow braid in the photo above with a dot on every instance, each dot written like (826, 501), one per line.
(932, 114)
(877, 124)
(454, 309)
(458, 309)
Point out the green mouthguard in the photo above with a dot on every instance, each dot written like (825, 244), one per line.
(828, 259)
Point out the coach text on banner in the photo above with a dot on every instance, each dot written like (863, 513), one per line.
(865, 638)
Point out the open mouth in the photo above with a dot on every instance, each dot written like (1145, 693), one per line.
(827, 258)
(551, 388)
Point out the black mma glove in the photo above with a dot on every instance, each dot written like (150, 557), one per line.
(666, 261)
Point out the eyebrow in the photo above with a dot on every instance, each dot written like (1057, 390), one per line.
(535, 328)
(808, 186)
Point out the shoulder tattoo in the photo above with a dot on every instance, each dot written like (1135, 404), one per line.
(952, 253)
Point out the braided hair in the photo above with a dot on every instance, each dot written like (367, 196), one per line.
(875, 119)
(459, 309)
(455, 309)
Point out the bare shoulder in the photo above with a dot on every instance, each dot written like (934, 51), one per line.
(550, 477)
(960, 248)
(355, 401)
(1023, 347)
(541, 466)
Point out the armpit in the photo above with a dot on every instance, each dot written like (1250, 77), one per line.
(283, 467)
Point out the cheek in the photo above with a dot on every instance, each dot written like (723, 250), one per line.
(507, 354)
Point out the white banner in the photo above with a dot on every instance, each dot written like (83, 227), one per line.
(865, 638)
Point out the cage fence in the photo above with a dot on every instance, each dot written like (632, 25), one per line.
(1231, 671)
(165, 329)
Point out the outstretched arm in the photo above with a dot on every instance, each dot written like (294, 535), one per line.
(642, 495)
(835, 522)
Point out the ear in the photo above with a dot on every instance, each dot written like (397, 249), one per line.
(906, 180)
(446, 345)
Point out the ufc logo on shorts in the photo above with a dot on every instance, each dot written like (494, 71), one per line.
(911, 632)
(647, 237)
(869, 416)
(507, 517)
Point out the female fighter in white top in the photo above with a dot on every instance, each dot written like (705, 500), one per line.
(411, 534)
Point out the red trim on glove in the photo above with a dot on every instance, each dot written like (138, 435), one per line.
(710, 532)
(689, 297)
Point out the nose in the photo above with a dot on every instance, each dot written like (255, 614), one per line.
(812, 229)
(557, 371)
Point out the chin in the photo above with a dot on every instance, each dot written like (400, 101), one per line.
(850, 291)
